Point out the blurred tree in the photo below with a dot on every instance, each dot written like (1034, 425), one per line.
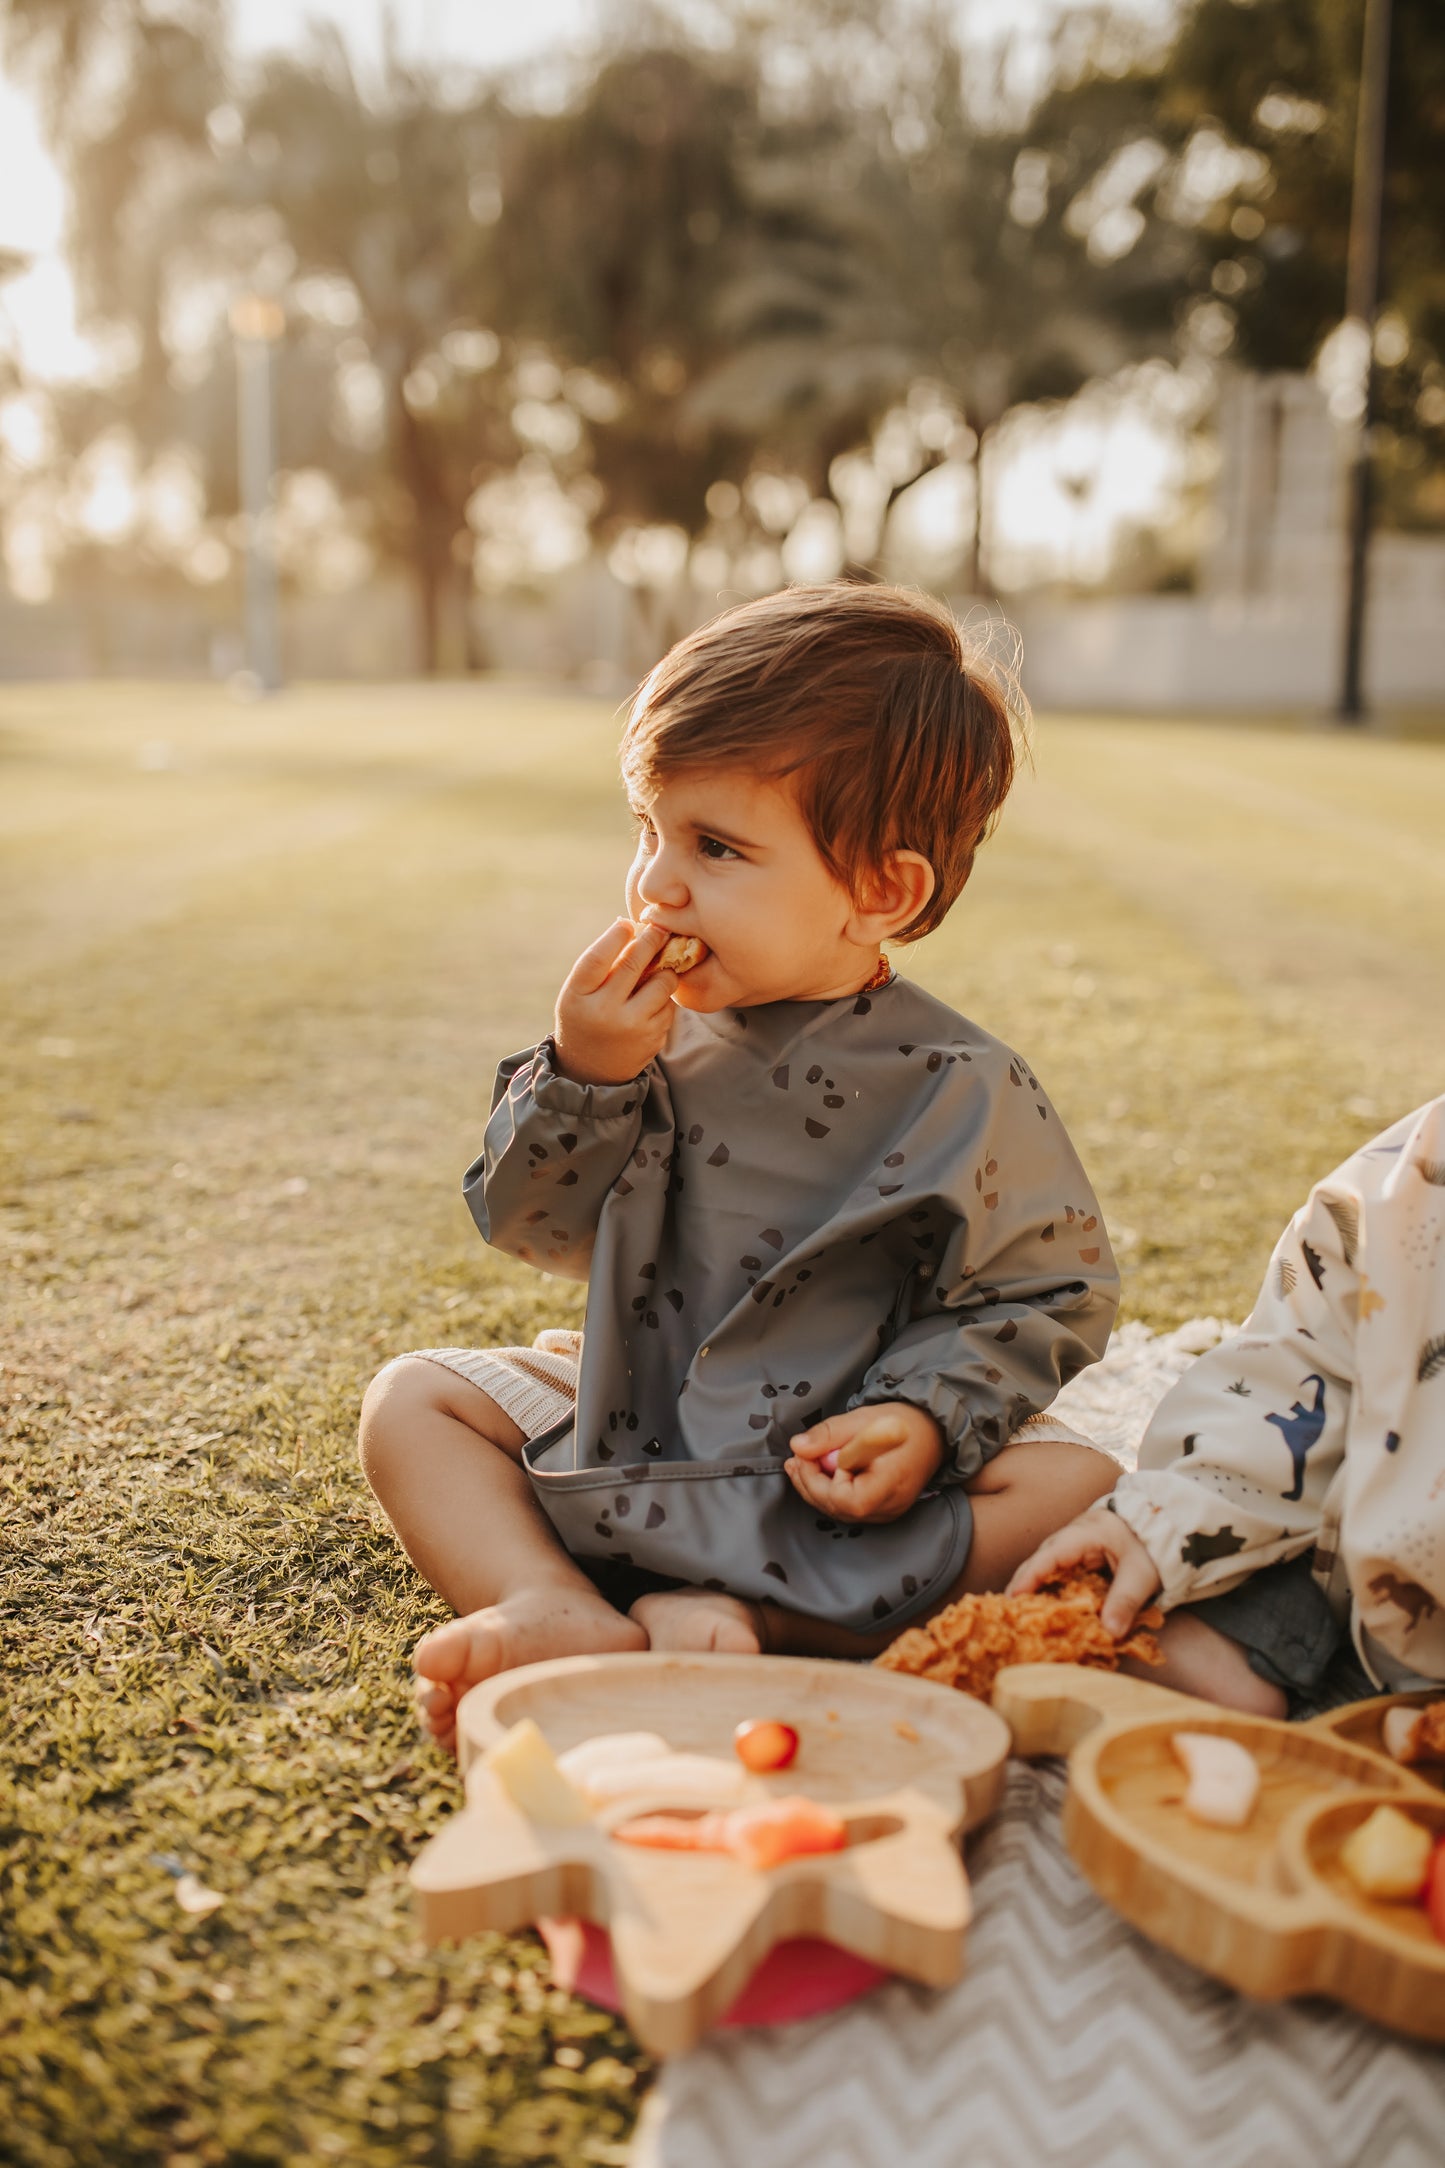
(953, 250)
(125, 92)
(750, 272)
(1259, 102)
(13, 262)
(1019, 250)
(387, 205)
(619, 215)
(369, 216)
(760, 249)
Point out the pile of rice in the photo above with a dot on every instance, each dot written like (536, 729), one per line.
(969, 1643)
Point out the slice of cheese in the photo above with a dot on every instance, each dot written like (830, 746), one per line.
(526, 1768)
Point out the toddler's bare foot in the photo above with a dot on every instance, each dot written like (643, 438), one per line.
(526, 1628)
(694, 1619)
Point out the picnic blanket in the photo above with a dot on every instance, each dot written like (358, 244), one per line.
(1071, 2041)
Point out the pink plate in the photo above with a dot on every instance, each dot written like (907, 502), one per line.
(796, 1979)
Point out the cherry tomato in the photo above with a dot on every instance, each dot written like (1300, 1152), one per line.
(765, 1744)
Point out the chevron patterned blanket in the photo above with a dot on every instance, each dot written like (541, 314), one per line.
(1071, 2042)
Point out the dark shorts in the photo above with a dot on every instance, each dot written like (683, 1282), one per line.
(1282, 1620)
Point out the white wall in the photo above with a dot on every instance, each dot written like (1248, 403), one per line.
(1196, 653)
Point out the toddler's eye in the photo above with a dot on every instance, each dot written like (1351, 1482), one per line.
(646, 834)
(711, 847)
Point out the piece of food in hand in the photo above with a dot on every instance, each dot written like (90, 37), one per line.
(968, 1643)
(1388, 1856)
(765, 1744)
(1223, 1778)
(1416, 1735)
(862, 1451)
(526, 1768)
(680, 952)
(1434, 1898)
(761, 1837)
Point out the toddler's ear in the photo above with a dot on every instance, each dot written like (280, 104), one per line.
(892, 896)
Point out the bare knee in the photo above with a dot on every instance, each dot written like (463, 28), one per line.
(1024, 1494)
(1072, 1474)
(1084, 1475)
(411, 1394)
(389, 1407)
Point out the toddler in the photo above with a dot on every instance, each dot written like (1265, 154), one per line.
(1289, 1509)
(837, 1245)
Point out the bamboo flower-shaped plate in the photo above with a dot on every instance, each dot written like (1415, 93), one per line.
(1269, 1909)
(909, 1766)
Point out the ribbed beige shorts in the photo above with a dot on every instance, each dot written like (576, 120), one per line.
(536, 1385)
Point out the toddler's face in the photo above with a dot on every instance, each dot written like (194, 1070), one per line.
(727, 856)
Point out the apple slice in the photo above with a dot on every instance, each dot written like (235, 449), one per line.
(526, 1768)
(1388, 1856)
(1223, 1778)
(1415, 1735)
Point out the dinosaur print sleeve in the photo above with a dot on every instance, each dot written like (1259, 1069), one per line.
(1237, 1463)
(552, 1152)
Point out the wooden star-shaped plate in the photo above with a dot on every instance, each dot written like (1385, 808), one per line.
(909, 1765)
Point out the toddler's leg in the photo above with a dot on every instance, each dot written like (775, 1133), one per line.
(1022, 1495)
(1199, 1660)
(442, 1458)
(702, 1621)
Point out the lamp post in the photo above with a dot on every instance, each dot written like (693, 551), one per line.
(257, 322)
(1362, 296)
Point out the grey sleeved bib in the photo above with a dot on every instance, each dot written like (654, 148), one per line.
(798, 1209)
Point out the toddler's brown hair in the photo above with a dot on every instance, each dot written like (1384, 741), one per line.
(894, 733)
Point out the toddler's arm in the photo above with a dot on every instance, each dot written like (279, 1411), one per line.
(1017, 1295)
(562, 1129)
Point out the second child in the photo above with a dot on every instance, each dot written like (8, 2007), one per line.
(1289, 1507)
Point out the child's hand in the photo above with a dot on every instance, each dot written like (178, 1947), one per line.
(1097, 1538)
(608, 1028)
(868, 1465)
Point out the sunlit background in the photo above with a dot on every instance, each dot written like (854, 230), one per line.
(595, 315)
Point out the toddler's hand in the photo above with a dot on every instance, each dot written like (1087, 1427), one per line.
(608, 1027)
(868, 1465)
(1096, 1538)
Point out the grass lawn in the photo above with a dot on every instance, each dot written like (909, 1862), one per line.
(258, 964)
